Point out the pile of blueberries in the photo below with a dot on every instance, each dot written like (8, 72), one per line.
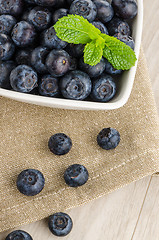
(34, 60)
(30, 182)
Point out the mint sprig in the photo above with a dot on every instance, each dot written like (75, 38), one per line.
(92, 53)
(75, 29)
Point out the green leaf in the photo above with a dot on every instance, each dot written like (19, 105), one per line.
(93, 53)
(118, 53)
(75, 29)
(94, 33)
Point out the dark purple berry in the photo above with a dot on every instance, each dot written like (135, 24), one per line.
(47, 3)
(6, 23)
(50, 40)
(23, 34)
(38, 57)
(60, 4)
(58, 62)
(5, 70)
(76, 175)
(117, 25)
(75, 50)
(76, 85)
(60, 224)
(110, 69)
(104, 10)
(125, 8)
(23, 79)
(103, 89)
(125, 39)
(108, 138)
(59, 14)
(92, 71)
(7, 47)
(12, 7)
(60, 144)
(25, 14)
(40, 18)
(30, 182)
(84, 8)
(48, 86)
(73, 63)
(69, 1)
(101, 27)
(30, 2)
(23, 56)
(18, 235)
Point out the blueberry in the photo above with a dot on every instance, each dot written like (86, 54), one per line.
(84, 8)
(18, 235)
(108, 138)
(76, 85)
(23, 56)
(61, 3)
(104, 10)
(125, 8)
(50, 40)
(7, 47)
(101, 27)
(58, 62)
(110, 69)
(23, 34)
(5, 70)
(76, 175)
(40, 18)
(61, 12)
(60, 144)
(38, 57)
(60, 224)
(92, 71)
(103, 89)
(25, 14)
(69, 2)
(117, 25)
(6, 23)
(30, 182)
(125, 39)
(12, 7)
(75, 50)
(23, 79)
(73, 63)
(47, 3)
(30, 2)
(49, 86)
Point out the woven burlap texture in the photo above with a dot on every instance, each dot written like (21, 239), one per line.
(25, 130)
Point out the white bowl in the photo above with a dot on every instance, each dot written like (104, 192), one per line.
(125, 83)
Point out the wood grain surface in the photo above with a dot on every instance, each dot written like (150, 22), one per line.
(131, 213)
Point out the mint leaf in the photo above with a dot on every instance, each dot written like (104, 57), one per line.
(75, 29)
(118, 53)
(93, 53)
(94, 33)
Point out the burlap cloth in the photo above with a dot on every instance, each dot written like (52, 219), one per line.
(25, 130)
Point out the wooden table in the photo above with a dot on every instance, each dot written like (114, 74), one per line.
(131, 213)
